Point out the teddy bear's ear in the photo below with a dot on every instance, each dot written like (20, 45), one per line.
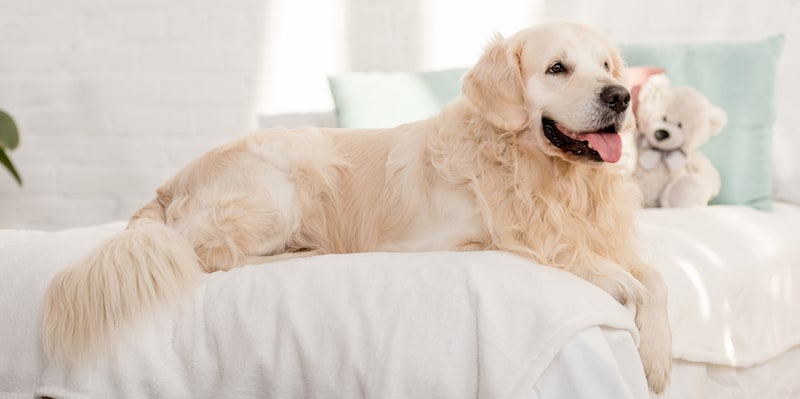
(653, 88)
(635, 78)
(718, 118)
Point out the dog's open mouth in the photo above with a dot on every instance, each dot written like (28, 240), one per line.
(604, 145)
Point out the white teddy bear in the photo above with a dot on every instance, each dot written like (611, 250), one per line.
(672, 123)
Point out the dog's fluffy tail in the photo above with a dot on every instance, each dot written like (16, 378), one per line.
(88, 304)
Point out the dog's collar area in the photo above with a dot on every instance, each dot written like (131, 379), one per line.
(566, 143)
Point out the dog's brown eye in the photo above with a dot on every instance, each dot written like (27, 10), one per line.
(557, 67)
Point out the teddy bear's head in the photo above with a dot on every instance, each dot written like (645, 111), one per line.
(671, 118)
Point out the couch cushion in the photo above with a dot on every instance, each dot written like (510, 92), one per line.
(740, 78)
(732, 273)
(388, 99)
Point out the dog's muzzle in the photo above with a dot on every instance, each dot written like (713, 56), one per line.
(603, 145)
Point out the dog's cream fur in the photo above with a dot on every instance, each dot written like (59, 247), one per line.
(480, 175)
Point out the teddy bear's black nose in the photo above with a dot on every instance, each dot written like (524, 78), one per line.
(661, 134)
(617, 97)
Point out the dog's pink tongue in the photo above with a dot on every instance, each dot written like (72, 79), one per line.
(608, 145)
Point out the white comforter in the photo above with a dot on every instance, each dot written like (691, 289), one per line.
(438, 324)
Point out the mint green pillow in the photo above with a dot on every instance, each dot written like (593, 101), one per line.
(388, 99)
(740, 78)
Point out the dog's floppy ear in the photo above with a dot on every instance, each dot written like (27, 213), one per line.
(496, 87)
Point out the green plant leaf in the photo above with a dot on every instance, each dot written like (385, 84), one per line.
(10, 166)
(9, 136)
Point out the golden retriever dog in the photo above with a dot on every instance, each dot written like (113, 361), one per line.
(522, 162)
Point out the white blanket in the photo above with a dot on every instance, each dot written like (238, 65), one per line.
(438, 324)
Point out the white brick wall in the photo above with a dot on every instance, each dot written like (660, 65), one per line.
(113, 96)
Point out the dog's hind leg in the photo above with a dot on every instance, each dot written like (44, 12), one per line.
(234, 230)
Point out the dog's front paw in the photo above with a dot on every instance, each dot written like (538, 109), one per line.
(655, 348)
(657, 368)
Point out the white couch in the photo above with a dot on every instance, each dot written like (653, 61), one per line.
(437, 324)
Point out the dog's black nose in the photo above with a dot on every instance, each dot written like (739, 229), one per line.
(617, 97)
(661, 134)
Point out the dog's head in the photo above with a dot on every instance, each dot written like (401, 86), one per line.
(559, 86)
